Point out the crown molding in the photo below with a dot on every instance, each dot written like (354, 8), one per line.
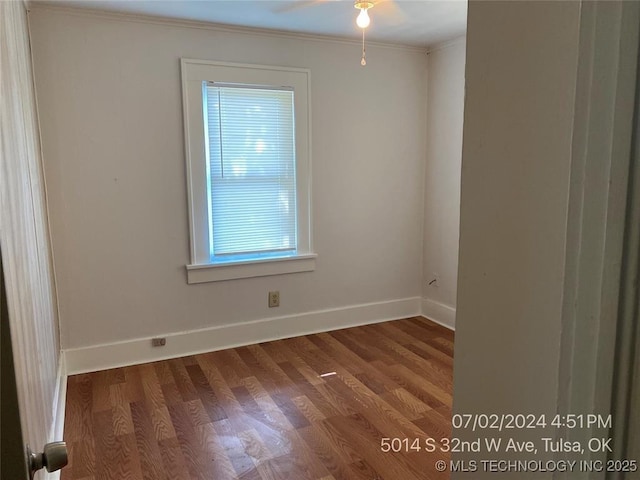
(448, 44)
(216, 27)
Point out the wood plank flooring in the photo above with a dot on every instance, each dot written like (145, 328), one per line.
(307, 408)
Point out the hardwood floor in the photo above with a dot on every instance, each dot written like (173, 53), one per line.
(315, 407)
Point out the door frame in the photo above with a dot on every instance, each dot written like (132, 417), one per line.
(597, 221)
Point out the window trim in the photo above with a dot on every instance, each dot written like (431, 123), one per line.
(215, 272)
(193, 73)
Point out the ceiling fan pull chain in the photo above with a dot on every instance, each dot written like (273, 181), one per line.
(363, 62)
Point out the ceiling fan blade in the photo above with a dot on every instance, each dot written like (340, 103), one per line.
(391, 11)
(290, 6)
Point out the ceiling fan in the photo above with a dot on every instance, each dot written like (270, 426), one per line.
(388, 9)
(363, 22)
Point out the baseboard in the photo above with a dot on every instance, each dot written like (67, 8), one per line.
(439, 313)
(132, 352)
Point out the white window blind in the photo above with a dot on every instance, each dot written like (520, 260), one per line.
(250, 150)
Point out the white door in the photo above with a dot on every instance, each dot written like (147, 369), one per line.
(13, 465)
(29, 320)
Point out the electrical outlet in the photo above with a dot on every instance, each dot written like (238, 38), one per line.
(158, 342)
(274, 299)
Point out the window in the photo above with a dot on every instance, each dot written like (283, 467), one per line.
(247, 151)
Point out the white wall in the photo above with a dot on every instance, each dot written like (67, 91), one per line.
(24, 237)
(445, 107)
(109, 96)
(516, 165)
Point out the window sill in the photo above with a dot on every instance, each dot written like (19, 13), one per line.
(216, 272)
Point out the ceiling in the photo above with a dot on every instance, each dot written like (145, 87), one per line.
(408, 22)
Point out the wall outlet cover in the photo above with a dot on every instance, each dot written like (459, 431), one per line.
(274, 299)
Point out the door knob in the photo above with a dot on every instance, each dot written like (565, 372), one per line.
(53, 457)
